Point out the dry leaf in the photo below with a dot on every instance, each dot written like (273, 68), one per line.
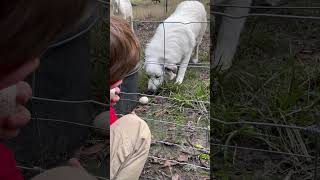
(198, 146)
(155, 160)
(140, 109)
(204, 163)
(183, 157)
(176, 177)
(167, 163)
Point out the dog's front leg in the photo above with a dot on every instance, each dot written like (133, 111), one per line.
(183, 68)
(195, 59)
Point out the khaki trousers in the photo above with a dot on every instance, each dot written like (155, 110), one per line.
(130, 140)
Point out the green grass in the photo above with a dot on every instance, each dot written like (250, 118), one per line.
(191, 89)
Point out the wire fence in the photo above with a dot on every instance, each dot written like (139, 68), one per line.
(312, 129)
(38, 120)
(263, 123)
(165, 122)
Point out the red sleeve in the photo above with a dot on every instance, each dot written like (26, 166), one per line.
(8, 168)
(113, 115)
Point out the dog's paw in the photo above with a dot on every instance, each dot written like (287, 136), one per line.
(179, 80)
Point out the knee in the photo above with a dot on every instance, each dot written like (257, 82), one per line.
(133, 125)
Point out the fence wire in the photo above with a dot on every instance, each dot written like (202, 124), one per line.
(162, 124)
(266, 7)
(163, 120)
(266, 15)
(313, 129)
(165, 97)
(39, 119)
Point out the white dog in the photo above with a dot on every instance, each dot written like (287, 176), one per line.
(173, 43)
(230, 30)
(123, 8)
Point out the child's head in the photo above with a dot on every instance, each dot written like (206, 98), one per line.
(28, 27)
(124, 49)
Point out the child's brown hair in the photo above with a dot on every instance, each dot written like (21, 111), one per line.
(124, 49)
(28, 27)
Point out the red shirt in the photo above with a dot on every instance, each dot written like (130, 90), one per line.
(113, 116)
(8, 167)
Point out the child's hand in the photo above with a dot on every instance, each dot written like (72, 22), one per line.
(114, 95)
(114, 92)
(11, 123)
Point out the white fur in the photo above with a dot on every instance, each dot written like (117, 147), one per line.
(230, 31)
(123, 8)
(180, 40)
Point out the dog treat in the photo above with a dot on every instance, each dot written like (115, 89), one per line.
(7, 101)
(144, 100)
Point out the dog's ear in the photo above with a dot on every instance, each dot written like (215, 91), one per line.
(172, 68)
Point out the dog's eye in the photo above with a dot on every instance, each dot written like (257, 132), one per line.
(157, 77)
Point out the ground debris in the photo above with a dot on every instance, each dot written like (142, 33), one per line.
(183, 157)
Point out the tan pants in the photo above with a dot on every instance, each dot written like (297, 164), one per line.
(130, 140)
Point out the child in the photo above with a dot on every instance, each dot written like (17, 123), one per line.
(130, 136)
(26, 29)
(22, 42)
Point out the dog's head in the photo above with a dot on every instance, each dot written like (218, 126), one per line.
(155, 73)
(158, 73)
